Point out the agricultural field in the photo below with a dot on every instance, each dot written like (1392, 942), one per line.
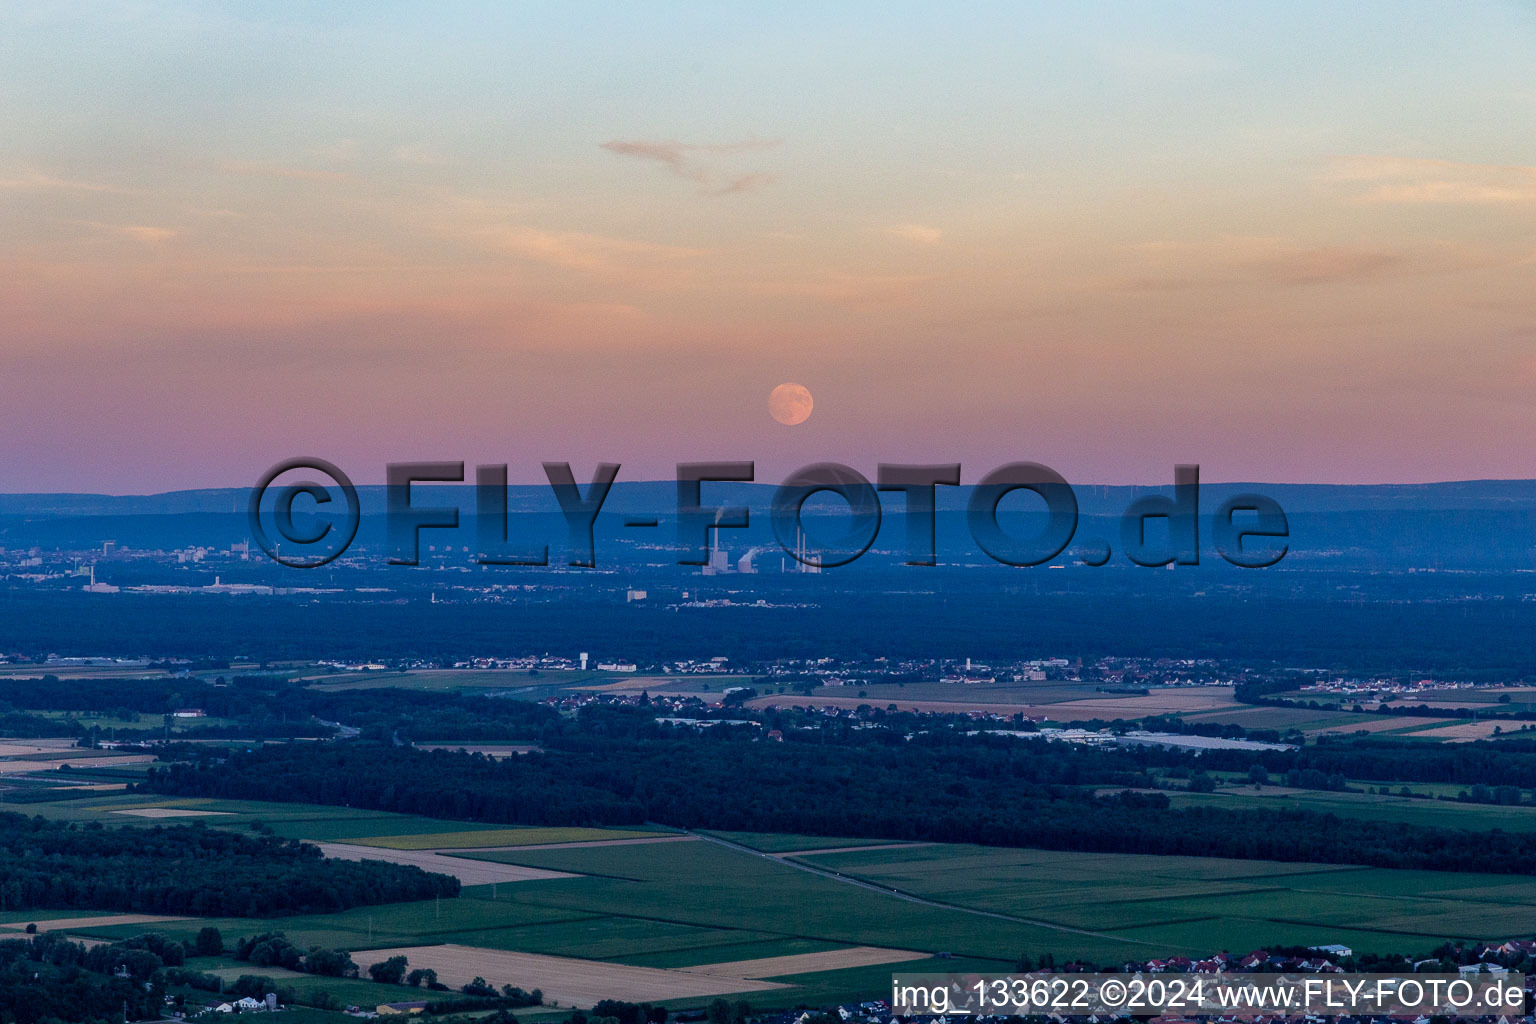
(1465, 732)
(310, 822)
(1309, 720)
(468, 872)
(81, 672)
(1415, 810)
(670, 907)
(1030, 693)
(705, 885)
(82, 920)
(683, 684)
(785, 919)
(1207, 903)
(54, 762)
(1495, 699)
(568, 981)
(491, 837)
(1060, 703)
(1391, 725)
(782, 843)
(52, 748)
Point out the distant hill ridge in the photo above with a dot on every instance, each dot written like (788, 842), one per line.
(660, 496)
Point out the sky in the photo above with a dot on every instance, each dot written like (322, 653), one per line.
(1286, 241)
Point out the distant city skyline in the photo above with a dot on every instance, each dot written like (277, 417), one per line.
(1286, 242)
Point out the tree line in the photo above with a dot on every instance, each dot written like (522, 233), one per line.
(190, 869)
(934, 788)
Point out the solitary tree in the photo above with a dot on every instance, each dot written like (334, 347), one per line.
(209, 942)
(390, 972)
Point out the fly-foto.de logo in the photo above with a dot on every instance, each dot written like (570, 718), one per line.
(1247, 530)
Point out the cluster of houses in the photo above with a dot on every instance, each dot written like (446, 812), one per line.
(246, 1004)
(1258, 962)
(675, 703)
(1368, 687)
(1490, 958)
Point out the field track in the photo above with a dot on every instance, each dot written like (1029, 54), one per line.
(886, 890)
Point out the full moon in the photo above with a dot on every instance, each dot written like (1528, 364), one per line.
(790, 404)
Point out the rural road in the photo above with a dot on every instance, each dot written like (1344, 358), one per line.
(886, 890)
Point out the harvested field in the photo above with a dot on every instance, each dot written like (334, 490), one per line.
(53, 762)
(21, 748)
(1465, 732)
(670, 684)
(1159, 702)
(565, 980)
(1179, 700)
(469, 872)
(786, 700)
(167, 812)
(80, 672)
(808, 963)
(65, 924)
(1387, 724)
(1472, 697)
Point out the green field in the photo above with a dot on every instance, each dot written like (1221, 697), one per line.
(669, 904)
(779, 842)
(1302, 719)
(1371, 806)
(500, 837)
(707, 885)
(688, 903)
(291, 821)
(1209, 903)
(347, 991)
